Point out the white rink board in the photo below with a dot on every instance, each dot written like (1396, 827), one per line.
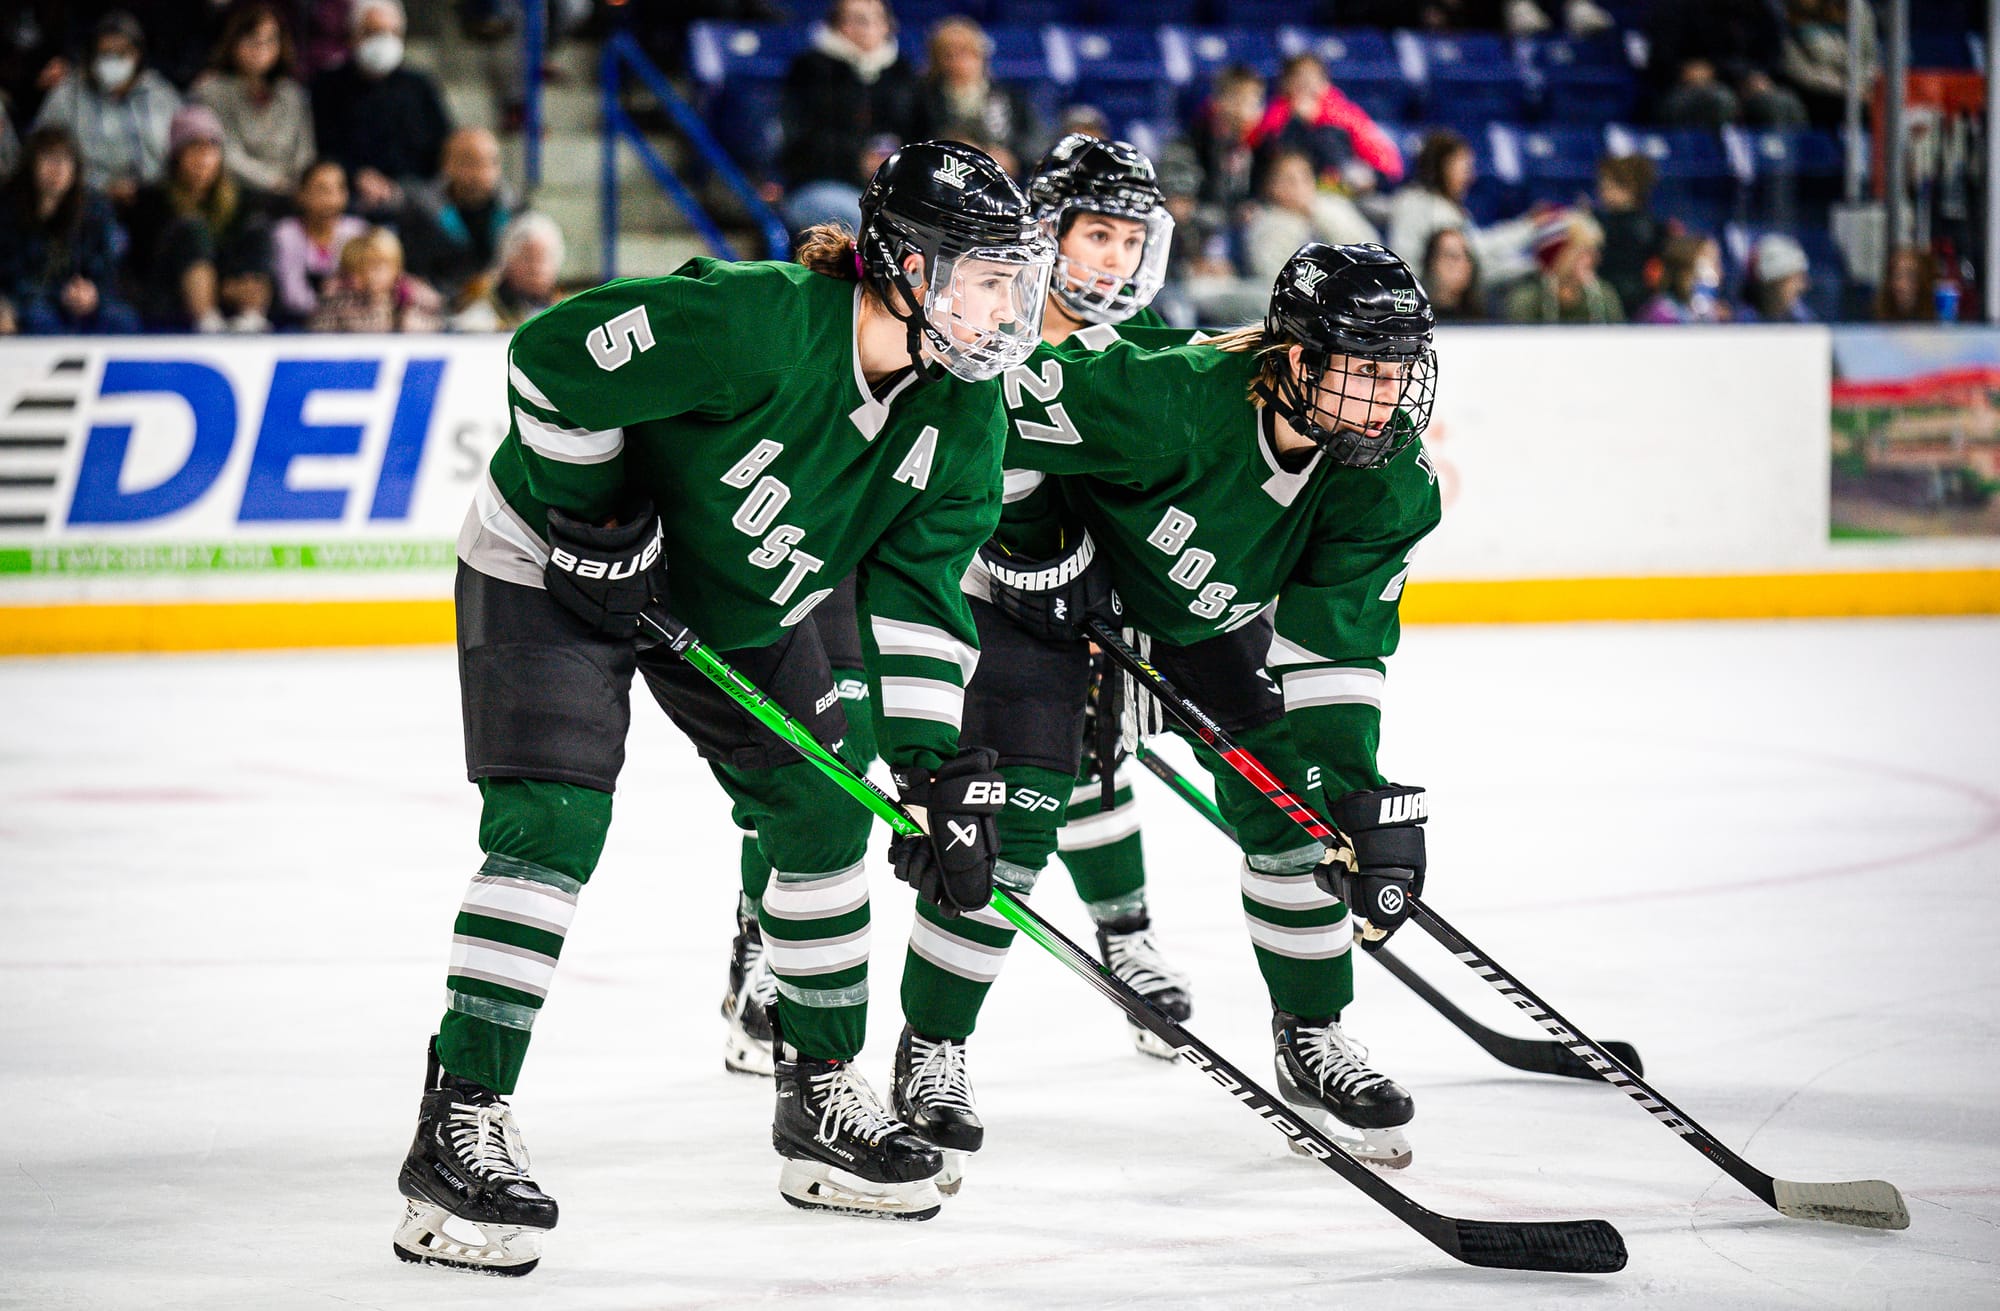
(229, 883)
(1565, 453)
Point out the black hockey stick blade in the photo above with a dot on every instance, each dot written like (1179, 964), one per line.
(1535, 1055)
(1585, 1247)
(1864, 1203)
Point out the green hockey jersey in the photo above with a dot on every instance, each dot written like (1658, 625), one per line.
(730, 396)
(1170, 465)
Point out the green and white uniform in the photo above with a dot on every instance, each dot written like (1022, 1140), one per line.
(731, 397)
(1170, 465)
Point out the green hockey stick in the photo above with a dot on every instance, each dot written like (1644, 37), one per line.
(1536, 1056)
(1570, 1246)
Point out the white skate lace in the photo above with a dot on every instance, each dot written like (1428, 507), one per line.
(1332, 1059)
(937, 1074)
(1135, 959)
(486, 1139)
(849, 1103)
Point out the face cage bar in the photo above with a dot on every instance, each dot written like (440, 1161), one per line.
(1352, 447)
(995, 351)
(1128, 295)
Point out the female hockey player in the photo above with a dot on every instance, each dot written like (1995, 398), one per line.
(1100, 203)
(1276, 464)
(725, 443)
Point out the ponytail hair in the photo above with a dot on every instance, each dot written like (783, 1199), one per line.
(1271, 353)
(829, 249)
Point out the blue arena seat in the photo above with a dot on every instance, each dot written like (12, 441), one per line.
(1547, 163)
(914, 19)
(1264, 13)
(1208, 50)
(1582, 81)
(1031, 13)
(1125, 71)
(720, 53)
(1031, 54)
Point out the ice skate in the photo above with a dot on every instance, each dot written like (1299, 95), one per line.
(1129, 952)
(1324, 1076)
(753, 991)
(933, 1095)
(466, 1175)
(843, 1150)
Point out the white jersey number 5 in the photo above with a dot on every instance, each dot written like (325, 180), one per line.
(614, 343)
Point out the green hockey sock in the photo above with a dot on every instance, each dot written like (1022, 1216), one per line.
(1102, 850)
(542, 841)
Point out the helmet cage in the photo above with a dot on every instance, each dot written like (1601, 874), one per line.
(1343, 432)
(932, 298)
(1095, 295)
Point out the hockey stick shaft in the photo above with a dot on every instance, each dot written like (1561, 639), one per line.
(1576, 1246)
(1870, 1203)
(1537, 1056)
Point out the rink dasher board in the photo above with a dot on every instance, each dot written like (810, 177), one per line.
(200, 493)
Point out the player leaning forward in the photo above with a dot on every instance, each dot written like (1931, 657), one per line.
(1279, 464)
(730, 441)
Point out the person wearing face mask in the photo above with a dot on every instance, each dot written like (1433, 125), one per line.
(386, 123)
(118, 111)
(1690, 283)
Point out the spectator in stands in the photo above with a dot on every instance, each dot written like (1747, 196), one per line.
(1568, 290)
(117, 110)
(1451, 279)
(1435, 198)
(306, 246)
(1908, 290)
(253, 88)
(1713, 63)
(385, 122)
(1198, 262)
(531, 259)
(373, 294)
(1690, 283)
(1221, 137)
(1085, 118)
(451, 228)
(59, 244)
(851, 85)
(1815, 55)
(960, 101)
(201, 255)
(10, 145)
(1633, 235)
(1309, 113)
(1294, 209)
(1774, 286)
(835, 201)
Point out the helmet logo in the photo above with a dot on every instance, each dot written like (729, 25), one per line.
(1403, 301)
(953, 172)
(1308, 278)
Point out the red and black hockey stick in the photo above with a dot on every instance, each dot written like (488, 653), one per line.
(1535, 1055)
(1568, 1246)
(1868, 1203)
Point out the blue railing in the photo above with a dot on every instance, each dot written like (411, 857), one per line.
(623, 58)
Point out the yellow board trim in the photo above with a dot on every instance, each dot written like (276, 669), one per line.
(267, 625)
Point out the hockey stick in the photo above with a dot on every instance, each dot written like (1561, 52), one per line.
(1568, 1246)
(1535, 1055)
(1868, 1203)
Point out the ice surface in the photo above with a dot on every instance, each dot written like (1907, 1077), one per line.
(1765, 853)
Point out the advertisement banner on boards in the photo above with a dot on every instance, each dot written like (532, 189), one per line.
(286, 457)
(1916, 433)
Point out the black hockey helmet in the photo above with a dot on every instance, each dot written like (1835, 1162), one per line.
(1362, 305)
(954, 207)
(1083, 174)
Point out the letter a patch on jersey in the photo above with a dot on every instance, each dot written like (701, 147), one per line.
(916, 466)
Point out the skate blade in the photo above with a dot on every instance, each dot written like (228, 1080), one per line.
(1385, 1149)
(952, 1176)
(816, 1186)
(422, 1239)
(1151, 1044)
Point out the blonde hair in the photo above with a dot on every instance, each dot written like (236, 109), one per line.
(372, 242)
(1271, 353)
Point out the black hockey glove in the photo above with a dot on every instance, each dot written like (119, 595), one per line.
(1051, 599)
(607, 576)
(1385, 826)
(953, 865)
